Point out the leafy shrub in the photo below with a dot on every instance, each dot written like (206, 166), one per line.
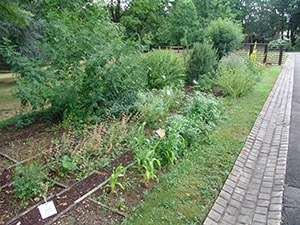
(113, 88)
(225, 36)
(29, 181)
(171, 146)
(234, 78)
(200, 60)
(276, 43)
(199, 115)
(91, 71)
(163, 69)
(204, 108)
(297, 44)
(145, 151)
(155, 106)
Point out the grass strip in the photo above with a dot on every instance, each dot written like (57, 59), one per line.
(9, 105)
(187, 192)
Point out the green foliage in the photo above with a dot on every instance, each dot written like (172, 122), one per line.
(29, 181)
(155, 106)
(91, 71)
(199, 115)
(201, 60)
(297, 45)
(275, 44)
(141, 18)
(11, 12)
(211, 10)
(144, 150)
(234, 77)
(225, 36)
(182, 24)
(118, 172)
(203, 108)
(163, 69)
(172, 146)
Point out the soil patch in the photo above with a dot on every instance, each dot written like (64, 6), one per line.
(86, 201)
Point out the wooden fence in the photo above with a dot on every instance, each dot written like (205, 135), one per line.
(265, 54)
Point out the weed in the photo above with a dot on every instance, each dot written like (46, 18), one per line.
(29, 181)
(92, 147)
(155, 106)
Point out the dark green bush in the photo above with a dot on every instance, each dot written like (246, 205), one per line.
(225, 36)
(91, 70)
(200, 60)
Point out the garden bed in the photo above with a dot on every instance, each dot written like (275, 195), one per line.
(75, 201)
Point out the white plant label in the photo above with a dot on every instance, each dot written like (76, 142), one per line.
(160, 133)
(47, 209)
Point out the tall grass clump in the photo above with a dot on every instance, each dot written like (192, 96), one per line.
(234, 78)
(163, 69)
(201, 60)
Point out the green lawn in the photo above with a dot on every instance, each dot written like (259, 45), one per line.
(8, 105)
(186, 194)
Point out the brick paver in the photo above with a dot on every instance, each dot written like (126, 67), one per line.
(253, 191)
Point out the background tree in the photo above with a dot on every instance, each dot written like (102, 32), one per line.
(208, 10)
(182, 25)
(142, 19)
(11, 13)
(225, 36)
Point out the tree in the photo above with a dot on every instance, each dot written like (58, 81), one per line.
(143, 18)
(90, 69)
(294, 20)
(11, 13)
(209, 10)
(182, 24)
(225, 36)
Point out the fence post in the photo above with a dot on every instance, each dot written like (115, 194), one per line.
(280, 55)
(251, 49)
(265, 54)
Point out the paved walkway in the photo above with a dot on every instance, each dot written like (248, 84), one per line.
(291, 194)
(253, 192)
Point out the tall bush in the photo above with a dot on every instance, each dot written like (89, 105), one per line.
(225, 35)
(234, 77)
(163, 69)
(200, 60)
(90, 70)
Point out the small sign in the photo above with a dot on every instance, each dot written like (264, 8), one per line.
(160, 133)
(47, 209)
